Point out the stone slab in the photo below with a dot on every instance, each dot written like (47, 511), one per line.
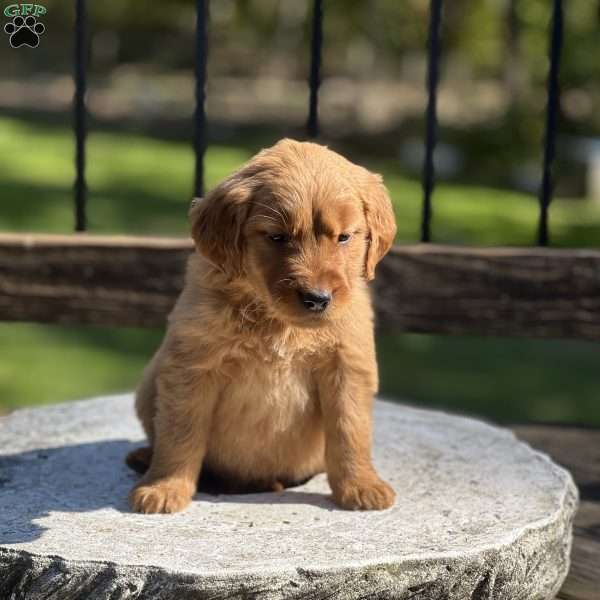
(479, 515)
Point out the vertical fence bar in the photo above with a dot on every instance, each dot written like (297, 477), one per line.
(314, 80)
(79, 113)
(200, 111)
(552, 108)
(433, 73)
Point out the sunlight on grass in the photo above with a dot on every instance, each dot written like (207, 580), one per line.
(473, 215)
(136, 184)
(142, 185)
(503, 379)
(45, 364)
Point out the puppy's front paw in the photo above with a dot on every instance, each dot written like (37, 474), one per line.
(364, 494)
(164, 496)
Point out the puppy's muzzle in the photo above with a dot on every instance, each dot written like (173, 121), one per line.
(315, 300)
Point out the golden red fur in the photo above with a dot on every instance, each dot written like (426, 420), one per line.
(267, 372)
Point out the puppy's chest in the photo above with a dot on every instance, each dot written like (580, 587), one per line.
(273, 383)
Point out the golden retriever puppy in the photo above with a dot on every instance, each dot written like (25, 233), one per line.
(267, 371)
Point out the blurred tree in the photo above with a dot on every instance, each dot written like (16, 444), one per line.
(475, 30)
(505, 40)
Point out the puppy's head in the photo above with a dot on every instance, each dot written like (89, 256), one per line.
(301, 224)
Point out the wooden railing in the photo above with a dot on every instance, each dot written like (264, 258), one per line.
(134, 281)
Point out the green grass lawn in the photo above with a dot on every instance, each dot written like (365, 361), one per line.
(143, 185)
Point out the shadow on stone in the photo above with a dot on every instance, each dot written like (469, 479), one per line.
(65, 479)
(217, 483)
(85, 478)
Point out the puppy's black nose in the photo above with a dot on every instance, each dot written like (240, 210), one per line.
(315, 300)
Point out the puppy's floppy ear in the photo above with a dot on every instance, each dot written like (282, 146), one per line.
(218, 219)
(381, 223)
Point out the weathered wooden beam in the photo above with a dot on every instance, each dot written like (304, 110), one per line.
(133, 281)
(534, 292)
(85, 279)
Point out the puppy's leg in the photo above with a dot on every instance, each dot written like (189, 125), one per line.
(145, 395)
(184, 403)
(145, 408)
(346, 396)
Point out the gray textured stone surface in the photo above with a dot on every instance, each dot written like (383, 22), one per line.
(479, 515)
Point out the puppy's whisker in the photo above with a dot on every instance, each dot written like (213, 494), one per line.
(279, 213)
(248, 310)
(269, 207)
(262, 218)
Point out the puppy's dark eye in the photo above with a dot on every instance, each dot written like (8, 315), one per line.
(344, 238)
(279, 238)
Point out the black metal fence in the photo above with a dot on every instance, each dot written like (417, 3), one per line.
(312, 123)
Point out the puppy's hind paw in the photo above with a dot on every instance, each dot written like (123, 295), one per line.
(160, 497)
(370, 494)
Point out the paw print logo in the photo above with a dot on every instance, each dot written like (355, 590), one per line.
(24, 32)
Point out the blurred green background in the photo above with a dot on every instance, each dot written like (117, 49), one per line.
(140, 165)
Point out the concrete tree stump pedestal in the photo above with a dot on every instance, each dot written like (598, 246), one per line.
(479, 515)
